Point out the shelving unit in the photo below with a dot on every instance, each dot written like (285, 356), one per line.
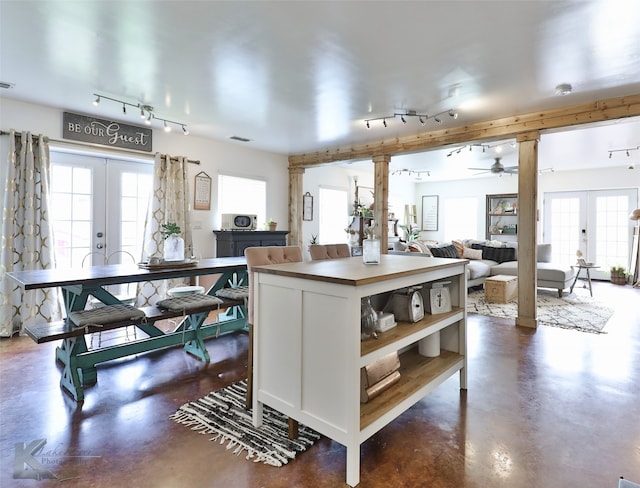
(502, 217)
(308, 351)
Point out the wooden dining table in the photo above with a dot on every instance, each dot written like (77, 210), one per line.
(77, 285)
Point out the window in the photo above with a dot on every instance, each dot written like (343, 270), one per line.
(333, 215)
(243, 195)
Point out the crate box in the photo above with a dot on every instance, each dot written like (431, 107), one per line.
(501, 288)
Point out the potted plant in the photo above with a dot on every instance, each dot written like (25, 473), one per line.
(618, 275)
(271, 225)
(173, 243)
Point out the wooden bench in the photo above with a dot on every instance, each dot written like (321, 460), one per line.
(79, 362)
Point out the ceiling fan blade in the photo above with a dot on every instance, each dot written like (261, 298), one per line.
(479, 169)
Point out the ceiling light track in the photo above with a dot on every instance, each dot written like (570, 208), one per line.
(422, 118)
(482, 147)
(410, 172)
(627, 151)
(146, 113)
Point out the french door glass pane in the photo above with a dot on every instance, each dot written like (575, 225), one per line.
(135, 190)
(612, 237)
(564, 223)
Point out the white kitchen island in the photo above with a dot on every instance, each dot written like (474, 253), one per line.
(308, 350)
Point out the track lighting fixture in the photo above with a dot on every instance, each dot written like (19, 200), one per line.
(409, 172)
(484, 147)
(627, 151)
(146, 113)
(422, 118)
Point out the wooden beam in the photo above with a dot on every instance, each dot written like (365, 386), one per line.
(598, 111)
(527, 228)
(294, 238)
(381, 199)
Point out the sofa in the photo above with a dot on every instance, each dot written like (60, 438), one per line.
(491, 258)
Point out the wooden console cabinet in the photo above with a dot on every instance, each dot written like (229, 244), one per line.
(232, 243)
(308, 350)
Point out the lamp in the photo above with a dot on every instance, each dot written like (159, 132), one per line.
(422, 118)
(150, 115)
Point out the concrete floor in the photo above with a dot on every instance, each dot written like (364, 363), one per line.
(544, 408)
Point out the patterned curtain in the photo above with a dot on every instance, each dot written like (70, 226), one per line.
(169, 202)
(26, 238)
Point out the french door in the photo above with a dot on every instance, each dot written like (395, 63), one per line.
(98, 208)
(594, 222)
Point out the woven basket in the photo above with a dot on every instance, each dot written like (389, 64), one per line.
(618, 279)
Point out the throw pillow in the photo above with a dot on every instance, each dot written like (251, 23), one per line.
(497, 254)
(444, 251)
(459, 245)
(544, 253)
(472, 253)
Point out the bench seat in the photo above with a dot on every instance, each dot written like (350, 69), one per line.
(64, 329)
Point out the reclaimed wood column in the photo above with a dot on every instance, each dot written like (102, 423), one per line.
(381, 198)
(294, 237)
(527, 228)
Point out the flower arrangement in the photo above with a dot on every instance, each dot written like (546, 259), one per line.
(170, 229)
(618, 275)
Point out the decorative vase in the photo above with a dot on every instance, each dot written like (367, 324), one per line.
(174, 248)
(371, 251)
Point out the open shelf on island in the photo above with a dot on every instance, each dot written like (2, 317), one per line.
(416, 371)
(405, 329)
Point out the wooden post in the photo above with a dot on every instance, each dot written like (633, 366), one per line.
(527, 228)
(381, 198)
(295, 206)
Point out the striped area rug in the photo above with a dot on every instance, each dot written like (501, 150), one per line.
(222, 415)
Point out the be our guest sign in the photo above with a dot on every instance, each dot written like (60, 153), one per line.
(105, 132)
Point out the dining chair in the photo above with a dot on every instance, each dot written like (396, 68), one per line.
(329, 251)
(258, 256)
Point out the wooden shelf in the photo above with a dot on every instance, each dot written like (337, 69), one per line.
(416, 371)
(405, 329)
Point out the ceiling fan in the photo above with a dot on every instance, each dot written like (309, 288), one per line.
(498, 168)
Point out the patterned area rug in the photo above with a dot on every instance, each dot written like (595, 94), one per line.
(222, 414)
(577, 311)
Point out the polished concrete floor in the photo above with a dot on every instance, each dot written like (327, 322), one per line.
(544, 408)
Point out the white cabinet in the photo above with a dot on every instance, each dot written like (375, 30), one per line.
(308, 352)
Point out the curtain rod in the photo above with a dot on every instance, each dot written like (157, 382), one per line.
(98, 146)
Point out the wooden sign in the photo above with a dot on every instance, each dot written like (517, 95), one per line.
(105, 132)
(202, 194)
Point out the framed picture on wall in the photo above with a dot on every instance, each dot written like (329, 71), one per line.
(307, 206)
(430, 212)
(202, 193)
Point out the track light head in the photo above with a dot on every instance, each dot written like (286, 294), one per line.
(368, 126)
(421, 120)
(96, 102)
(185, 131)
(124, 109)
(384, 122)
(166, 127)
(453, 114)
(142, 115)
(404, 121)
(437, 120)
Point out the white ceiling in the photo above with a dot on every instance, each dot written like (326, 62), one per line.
(301, 76)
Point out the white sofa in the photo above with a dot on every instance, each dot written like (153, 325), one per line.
(550, 275)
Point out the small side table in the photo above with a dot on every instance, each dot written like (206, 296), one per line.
(586, 267)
